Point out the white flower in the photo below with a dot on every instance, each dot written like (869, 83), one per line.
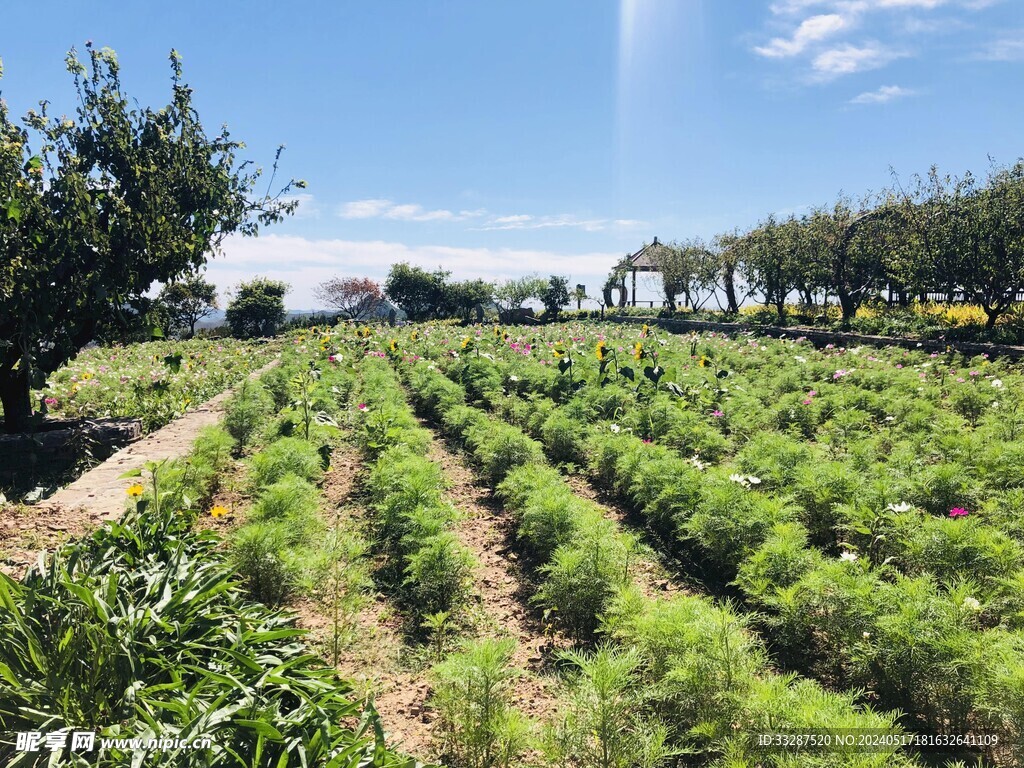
(615, 428)
(997, 383)
(698, 463)
(848, 556)
(800, 359)
(972, 603)
(753, 480)
(866, 635)
(513, 377)
(890, 418)
(736, 478)
(995, 403)
(901, 507)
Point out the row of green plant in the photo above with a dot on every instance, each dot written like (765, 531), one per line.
(913, 641)
(142, 630)
(681, 675)
(424, 560)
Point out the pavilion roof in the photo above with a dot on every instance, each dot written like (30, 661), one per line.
(646, 259)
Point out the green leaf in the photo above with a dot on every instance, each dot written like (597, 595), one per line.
(722, 374)
(262, 728)
(130, 473)
(564, 365)
(627, 372)
(14, 210)
(156, 333)
(173, 362)
(654, 373)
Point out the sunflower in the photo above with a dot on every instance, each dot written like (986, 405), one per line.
(558, 352)
(414, 335)
(218, 511)
(393, 346)
(466, 341)
(638, 351)
(601, 350)
(644, 331)
(135, 491)
(703, 363)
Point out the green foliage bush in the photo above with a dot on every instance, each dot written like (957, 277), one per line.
(247, 411)
(287, 456)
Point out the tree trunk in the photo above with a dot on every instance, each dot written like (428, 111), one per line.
(730, 294)
(848, 305)
(15, 395)
(993, 315)
(606, 293)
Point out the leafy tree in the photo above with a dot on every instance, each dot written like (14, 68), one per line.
(97, 207)
(555, 295)
(461, 298)
(354, 297)
(579, 295)
(186, 302)
(768, 264)
(728, 254)
(511, 294)
(257, 308)
(420, 294)
(688, 268)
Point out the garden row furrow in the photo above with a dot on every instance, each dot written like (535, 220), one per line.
(848, 620)
(695, 662)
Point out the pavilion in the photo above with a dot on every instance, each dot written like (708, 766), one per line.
(644, 260)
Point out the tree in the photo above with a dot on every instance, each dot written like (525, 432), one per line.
(459, 299)
(257, 308)
(186, 302)
(355, 298)
(97, 207)
(990, 240)
(579, 295)
(511, 294)
(687, 268)
(555, 295)
(420, 294)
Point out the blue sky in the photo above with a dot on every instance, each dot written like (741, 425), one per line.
(502, 138)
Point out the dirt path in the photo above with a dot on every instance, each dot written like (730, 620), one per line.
(500, 582)
(98, 494)
(380, 660)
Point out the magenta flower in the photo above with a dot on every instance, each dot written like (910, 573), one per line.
(808, 401)
(958, 512)
(717, 414)
(812, 393)
(361, 406)
(50, 401)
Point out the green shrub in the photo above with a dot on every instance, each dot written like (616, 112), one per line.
(603, 722)
(562, 437)
(259, 553)
(247, 411)
(500, 448)
(287, 456)
(472, 692)
(294, 503)
(437, 574)
(580, 581)
(780, 562)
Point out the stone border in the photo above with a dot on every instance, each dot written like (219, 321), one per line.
(820, 337)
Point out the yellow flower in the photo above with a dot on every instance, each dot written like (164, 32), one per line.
(414, 335)
(644, 331)
(558, 351)
(465, 342)
(218, 511)
(601, 347)
(135, 491)
(638, 351)
(393, 346)
(86, 376)
(497, 331)
(703, 363)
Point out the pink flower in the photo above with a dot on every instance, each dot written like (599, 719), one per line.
(646, 440)
(958, 512)
(361, 406)
(812, 393)
(960, 379)
(973, 373)
(50, 401)
(899, 365)
(808, 401)
(717, 414)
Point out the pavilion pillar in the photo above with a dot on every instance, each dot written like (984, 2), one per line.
(634, 286)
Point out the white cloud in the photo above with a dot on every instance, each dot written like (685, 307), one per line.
(883, 95)
(305, 263)
(811, 30)
(561, 221)
(847, 59)
(378, 208)
(1009, 48)
(309, 207)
